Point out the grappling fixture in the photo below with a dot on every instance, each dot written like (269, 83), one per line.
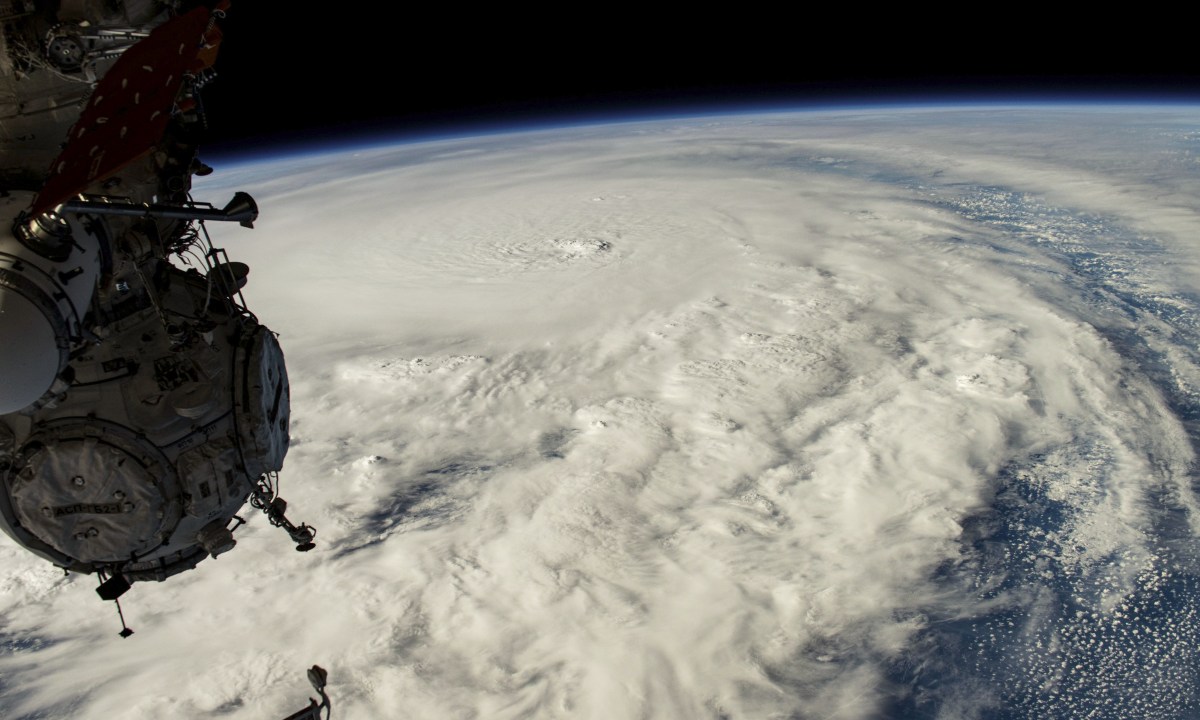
(141, 402)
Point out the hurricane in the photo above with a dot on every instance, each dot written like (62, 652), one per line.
(884, 412)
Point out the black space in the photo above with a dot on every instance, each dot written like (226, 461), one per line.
(290, 79)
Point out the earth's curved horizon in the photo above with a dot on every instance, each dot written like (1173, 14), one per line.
(235, 152)
(863, 413)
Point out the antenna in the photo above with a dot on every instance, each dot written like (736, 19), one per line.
(318, 677)
(112, 588)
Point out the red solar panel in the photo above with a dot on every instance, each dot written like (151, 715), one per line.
(127, 114)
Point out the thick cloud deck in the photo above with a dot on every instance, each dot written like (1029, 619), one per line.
(815, 415)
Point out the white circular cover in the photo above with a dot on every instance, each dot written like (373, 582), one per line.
(28, 352)
(91, 500)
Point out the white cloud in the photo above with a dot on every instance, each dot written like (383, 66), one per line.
(683, 424)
